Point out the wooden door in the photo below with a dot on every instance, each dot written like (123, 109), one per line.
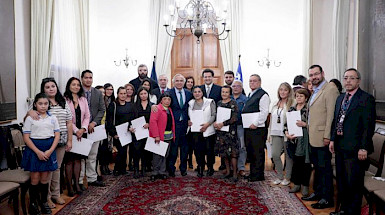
(190, 59)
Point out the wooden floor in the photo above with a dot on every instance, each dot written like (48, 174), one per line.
(5, 208)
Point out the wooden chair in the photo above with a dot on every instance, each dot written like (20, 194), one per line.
(376, 160)
(10, 189)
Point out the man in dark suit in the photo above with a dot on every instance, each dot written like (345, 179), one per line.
(351, 141)
(179, 105)
(97, 108)
(142, 74)
(162, 80)
(210, 90)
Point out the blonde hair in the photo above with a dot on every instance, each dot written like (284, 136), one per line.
(290, 98)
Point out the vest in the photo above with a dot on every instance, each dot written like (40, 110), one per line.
(252, 104)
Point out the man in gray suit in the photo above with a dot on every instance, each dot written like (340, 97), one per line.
(97, 109)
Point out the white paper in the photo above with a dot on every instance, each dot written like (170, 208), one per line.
(223, 114)
(292, 127)
(249, 118)
(197, 120)
(123, 133)
(274, 125)
(140, 132)
(98, 134)
(159, 149)
(82, 147)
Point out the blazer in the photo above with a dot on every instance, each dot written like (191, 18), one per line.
(97, 106)
(181, 127)
(358, 125)
(321, 113)
(157, 92)
(158, 123)
(85, 116)
(215, 92)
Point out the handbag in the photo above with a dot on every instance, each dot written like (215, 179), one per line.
(110, 139)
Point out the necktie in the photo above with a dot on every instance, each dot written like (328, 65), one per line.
(249, 95)
(342, 114)
(162, 91)
(208, 91)
(181, 104)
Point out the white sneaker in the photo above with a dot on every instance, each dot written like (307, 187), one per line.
(277, 181)
(285, 182)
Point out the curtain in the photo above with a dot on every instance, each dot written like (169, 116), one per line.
(340, 37)
(307, 31)
(230, 48)
(161, 42)
(71, 40)
(42, 19)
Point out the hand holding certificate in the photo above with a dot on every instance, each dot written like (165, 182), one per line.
(82, 147)
(159, 149)
(197, 120)
(249, 118)
(140, 131)
(223, 114)
(292, 118)
(98, 134)
(124, 135)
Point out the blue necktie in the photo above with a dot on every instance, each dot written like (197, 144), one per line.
(181, 104)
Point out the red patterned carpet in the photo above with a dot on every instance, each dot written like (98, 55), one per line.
(186, 195)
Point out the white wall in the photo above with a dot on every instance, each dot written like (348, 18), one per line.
(23, 56)
(277, 25)
(115, 26)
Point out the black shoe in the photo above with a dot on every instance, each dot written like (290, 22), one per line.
(97, 184)
(190, 166)
(227, 176)
(311, 197)
(45, 209)
(130, 168)
(253, 178)
(161, 176)
(322, 204)
(222, 167)
(183, 173)
(210, 172)
(153, 177)
(105, 170)
(337, 213)
(82, 187)
(171, 174)
(124, 172)
(116, 173)
(34, 209)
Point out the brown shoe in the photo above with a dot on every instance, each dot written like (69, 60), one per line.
(59, 201)
(51, 204)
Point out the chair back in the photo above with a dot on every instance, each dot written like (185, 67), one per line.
(376, 158)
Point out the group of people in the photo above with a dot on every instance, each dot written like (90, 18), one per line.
(331, 123)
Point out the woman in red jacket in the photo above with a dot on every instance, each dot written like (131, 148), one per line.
(162, 128)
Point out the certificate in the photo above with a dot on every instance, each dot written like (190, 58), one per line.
(249, 118)
(197, 120)
(124, 134)
(82, 147)
(98, 134)
(159, 149)
(223, 114)
(292, 127)
(140, 132)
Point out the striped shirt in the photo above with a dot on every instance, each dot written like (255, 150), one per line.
(62, 115)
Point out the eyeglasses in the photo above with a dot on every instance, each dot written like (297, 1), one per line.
(350, 78)
(315, 74)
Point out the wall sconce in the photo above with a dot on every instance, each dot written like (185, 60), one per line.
(268, 61)
(127, 61)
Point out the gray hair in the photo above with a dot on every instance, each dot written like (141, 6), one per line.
(238, 81)
(257, 76)
(355, 70)
(163, 75)
(178, 75)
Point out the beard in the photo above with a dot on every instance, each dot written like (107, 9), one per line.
(142, 76)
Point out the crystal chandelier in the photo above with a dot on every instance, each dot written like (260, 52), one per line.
(268, 61)
(197, 17)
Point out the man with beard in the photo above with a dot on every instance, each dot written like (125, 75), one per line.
(321, 111)
(142, 74)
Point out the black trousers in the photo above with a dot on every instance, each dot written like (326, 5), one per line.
(190, 141)
(138, 154)
(350, 182)
(104, 154)
(204, 148)
(121, 157)
(323, 177)
(255, 146)
(180, 142)
(301, 171)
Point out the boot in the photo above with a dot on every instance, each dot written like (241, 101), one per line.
(45, 209)
(136, 173)
(200, 172)
(295, 189)
(33, 200)
(305, 191)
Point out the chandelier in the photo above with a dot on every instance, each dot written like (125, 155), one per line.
(197, 17)
(268, 61)
(127, 61)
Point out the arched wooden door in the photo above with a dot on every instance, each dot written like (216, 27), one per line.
(190, 59)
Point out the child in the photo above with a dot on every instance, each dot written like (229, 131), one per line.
(162, 127)
(41, 137)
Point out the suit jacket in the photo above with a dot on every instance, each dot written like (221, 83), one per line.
(85, 113)
(181, 126)
(215, 92)
(137, 82)
(321, 113)
(97, 106)
(157, 92)
(358, 125)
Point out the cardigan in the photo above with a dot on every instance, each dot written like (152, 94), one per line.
(85, 117)
(158, 122)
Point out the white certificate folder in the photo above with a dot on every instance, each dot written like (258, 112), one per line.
(159, 149)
